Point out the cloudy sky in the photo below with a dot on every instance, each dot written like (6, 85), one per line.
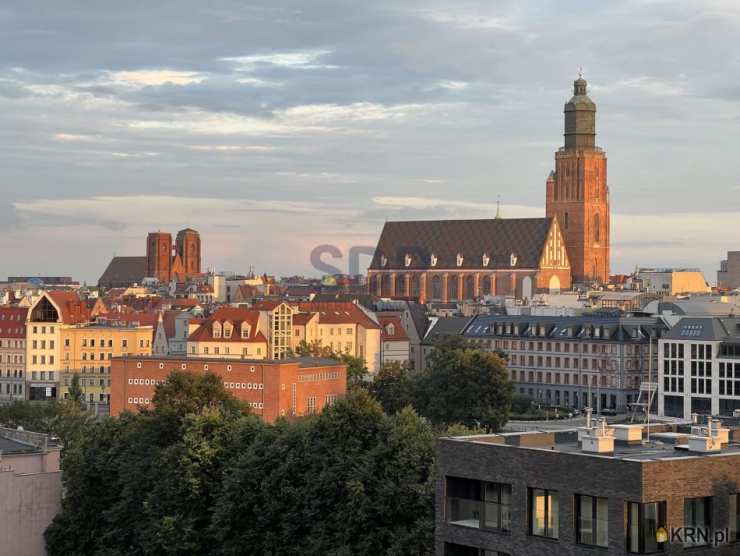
(273, 127)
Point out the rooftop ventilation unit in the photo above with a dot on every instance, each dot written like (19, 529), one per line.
(599, 440)
(710, 438)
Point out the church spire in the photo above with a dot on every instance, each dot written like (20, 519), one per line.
(580, 117)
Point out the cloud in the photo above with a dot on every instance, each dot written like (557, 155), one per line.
(307, 60)
(149, 78)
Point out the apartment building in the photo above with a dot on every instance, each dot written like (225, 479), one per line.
(87, 351)
(394, 341)
(346, 328)
(596, 490)
(289, 387)
(566, 360)
(52, 312)
(13, 353)
(231, 333)
(699, 367)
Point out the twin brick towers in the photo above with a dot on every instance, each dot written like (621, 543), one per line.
(165, 261)
(577, 193)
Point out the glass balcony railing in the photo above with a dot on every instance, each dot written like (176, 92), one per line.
(465, 512)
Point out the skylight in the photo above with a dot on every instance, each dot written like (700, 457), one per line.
(692, 330)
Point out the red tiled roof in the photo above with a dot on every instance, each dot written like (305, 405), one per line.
(185, 303)
(13, 322)
(399, 334)
(236, 316)
(72, 309)
(338, 313)
(302, 319)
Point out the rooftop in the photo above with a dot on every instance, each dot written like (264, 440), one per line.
(667, 442)
(303, 362)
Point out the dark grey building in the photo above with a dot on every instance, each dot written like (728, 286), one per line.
(561, 360)
(597, 490)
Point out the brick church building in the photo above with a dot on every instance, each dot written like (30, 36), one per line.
(164, 260)
(447, 260)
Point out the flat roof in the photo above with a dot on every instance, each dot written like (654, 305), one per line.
(566, 442)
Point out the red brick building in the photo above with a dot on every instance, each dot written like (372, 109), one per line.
(577, 193)
(273, 388)
(164, 261)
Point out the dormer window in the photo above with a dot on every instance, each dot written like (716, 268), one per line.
(433, 260)
(486, 259)
(383, 260)
(216, 329)
(227, 330)
(460, 259)
(513, 259)
(246, 329)
(390, 329)
(407, 260)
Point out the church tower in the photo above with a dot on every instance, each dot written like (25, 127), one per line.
(159, 256)
(187, 246)
(577, 194)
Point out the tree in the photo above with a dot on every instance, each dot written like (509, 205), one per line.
(75, 391)
(351, 480)
(466, 386)
(356, 370)
(393, 387)
(186, 393)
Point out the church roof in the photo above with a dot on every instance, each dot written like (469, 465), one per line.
(123, 271)
(498, 239)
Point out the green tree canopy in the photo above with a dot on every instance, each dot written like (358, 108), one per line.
(464, 385)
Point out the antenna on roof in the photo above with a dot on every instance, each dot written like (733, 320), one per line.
(498, 207)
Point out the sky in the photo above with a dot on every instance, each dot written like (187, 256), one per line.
(274, 127)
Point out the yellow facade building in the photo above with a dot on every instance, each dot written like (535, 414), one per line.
(87, 350)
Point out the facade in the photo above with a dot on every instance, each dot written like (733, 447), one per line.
(728, 275)
(577, 191)
(187, 246)
(394, 342)
(567, 361)
(47, 317)
(230, 333)
(595, 490)
(87, 351)
(13, 353)
(345, 327)
(272, 388)
(453, 260)
(700, 367)
(30, 491)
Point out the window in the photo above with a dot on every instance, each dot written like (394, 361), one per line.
(463, 502)
(497, 514)
(734, 517)
(697, 519)
(592, 520)
(312, 404)
(124, 343)
(543, 513)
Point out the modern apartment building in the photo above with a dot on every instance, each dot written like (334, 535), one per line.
(564, 360)
(13, 353)
(699, 367)
(596, 490)
(273, 388)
